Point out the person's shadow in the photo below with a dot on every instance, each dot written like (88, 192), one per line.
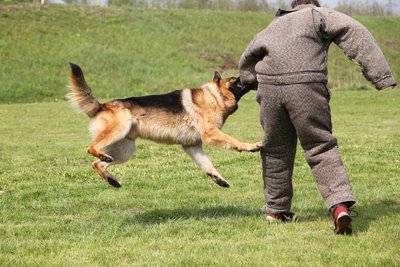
(374, 211)
(363, 213)
(159, 216)
(364, 216)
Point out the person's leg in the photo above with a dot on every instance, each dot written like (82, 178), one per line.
(279, 149)
(308, 106)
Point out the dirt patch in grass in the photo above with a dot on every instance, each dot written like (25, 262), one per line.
(392, 45)
(223, 62)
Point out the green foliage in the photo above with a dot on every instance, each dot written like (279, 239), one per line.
(366, 8)
(126, 52)
(123, 52)
(14, 1)
(56, 211)
(252, 5)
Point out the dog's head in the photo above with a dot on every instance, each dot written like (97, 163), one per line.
(232, 84)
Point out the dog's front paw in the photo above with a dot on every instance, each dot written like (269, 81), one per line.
(254, 147)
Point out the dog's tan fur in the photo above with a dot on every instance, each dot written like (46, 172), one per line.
(191, 118)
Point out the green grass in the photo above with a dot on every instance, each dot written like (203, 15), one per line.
(56, 211)
(127, 52)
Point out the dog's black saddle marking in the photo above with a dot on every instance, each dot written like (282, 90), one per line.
(170, 102)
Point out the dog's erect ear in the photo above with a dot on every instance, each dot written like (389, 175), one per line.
(217, 77)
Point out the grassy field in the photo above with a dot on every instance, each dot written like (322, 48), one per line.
(136, 51)
(56, 211)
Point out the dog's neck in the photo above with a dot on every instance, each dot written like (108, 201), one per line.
(229, 100)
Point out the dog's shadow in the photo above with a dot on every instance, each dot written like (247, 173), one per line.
(364, 216)
(160, 216)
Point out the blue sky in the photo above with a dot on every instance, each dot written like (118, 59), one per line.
(330, 3)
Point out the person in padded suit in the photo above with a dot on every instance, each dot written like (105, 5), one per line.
(287, 62)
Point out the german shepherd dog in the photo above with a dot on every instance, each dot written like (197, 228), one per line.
(188, 117)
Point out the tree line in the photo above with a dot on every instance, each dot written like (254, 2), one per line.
(367, 7)
(350, 7)
(242, 5)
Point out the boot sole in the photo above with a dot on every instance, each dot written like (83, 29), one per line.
(343, 225)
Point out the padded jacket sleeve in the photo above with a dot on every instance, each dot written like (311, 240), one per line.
(254, 52)
(359, 45)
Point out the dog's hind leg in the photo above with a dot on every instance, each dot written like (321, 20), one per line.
(121, 151)
(101, 168)
(107, 129)
(201, 159)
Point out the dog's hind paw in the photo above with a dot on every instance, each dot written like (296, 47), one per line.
(106, 158)
(222, 183)
(218, 180)
(112, 181)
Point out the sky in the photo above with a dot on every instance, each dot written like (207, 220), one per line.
(330, 3)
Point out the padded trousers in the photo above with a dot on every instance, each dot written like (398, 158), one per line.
(299, 111)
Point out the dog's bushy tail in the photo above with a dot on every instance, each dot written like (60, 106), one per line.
(81, 95)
